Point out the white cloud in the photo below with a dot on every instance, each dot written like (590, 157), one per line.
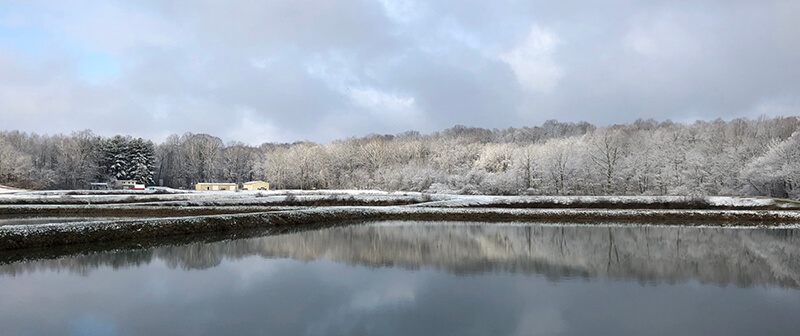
(379, 102)
(662, 36)
(387, 108)
(402, 11)
(533, 62)
(261, 63)
(253, 130)
(641, 43)
(778, 106)
(426, 65)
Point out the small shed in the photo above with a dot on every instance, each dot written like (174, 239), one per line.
(127, 184)
(215, 186)
(256, 185)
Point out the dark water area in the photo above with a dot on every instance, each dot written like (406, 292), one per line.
(412, 278)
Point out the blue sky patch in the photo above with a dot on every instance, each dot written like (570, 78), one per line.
(31, 41)
(96, 67)
(92, 66)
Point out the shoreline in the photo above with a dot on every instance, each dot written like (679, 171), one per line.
(149, 215)
(47, 235)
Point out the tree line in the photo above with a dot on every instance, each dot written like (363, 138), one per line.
(737, 157)
(73, 161)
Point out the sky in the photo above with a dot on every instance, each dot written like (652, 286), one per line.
(320, 70)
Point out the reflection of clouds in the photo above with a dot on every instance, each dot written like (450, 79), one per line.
(383, 295)
(545, 321)
(156, 289)
(251, 295)
(93, 325)
(250, 271)
(749, 257)
(366, 297)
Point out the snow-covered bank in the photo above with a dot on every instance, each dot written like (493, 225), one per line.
(197, 197)
(167, 214)
(106, 210)
(614, 202)
(375, 197)
(26, 236)
(8, 190)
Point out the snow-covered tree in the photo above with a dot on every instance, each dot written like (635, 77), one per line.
(15, 166)
(78, 160)
(558, 160)
(127, 158)
(777, 172)
(737, 157)
(607, 148)
(116, 158)
(141, 160)
(201, 155)
(238, 161)
(495, 158)
(526, 164)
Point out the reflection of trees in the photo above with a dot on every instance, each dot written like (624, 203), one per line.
(193, 256)
(743, 257)
(83, 264)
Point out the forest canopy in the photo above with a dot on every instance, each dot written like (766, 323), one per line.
(737, 157)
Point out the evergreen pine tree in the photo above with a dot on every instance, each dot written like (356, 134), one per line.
(141, 160)
(116, 157)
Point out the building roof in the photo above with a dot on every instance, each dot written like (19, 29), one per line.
(216, 183)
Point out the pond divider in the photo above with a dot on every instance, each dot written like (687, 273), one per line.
(44, 235)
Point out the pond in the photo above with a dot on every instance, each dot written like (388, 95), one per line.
(421, 278)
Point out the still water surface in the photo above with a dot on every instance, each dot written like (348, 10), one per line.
(411, 278)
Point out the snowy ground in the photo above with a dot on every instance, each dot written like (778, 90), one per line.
(181, 212)
(678, 202)
(54, 234)
(174, 197)
(8, 190)
(8, 196)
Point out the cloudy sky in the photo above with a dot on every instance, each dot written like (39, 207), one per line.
(319, 70)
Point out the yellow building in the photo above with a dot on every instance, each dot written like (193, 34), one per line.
(256, 185)
(126, 184)
(215, 186)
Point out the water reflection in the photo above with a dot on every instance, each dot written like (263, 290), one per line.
(743, 257)
(415, 278)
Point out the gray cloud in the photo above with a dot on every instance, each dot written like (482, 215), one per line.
(320, 70)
